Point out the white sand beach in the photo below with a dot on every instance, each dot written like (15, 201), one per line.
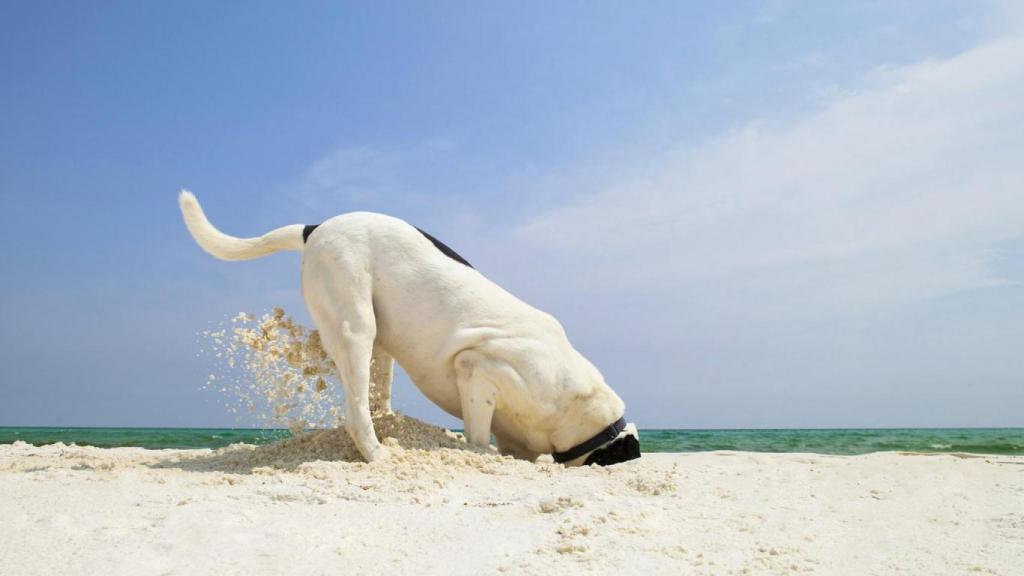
(241, 510)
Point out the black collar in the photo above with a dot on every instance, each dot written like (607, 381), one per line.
(603, 437)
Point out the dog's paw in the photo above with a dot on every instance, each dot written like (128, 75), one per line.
(378, 454)
(489, 449)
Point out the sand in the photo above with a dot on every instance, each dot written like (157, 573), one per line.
(273, 372)
(309, 505)
(446, 510)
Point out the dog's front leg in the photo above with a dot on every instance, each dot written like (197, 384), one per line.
(477, 395)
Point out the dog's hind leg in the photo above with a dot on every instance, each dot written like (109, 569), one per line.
(351, 348)
(344, 317)
(381, 376)
(477, 395)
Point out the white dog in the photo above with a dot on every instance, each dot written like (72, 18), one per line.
(379, 289)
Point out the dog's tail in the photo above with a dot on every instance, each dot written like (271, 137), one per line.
(226, 247)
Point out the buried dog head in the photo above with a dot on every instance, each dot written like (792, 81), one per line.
(622, 449)
(617, 443)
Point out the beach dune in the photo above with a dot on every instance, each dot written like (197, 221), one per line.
(82, 510)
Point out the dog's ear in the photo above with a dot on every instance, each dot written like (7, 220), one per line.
(621, 450)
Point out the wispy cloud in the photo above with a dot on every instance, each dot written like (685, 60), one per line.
(428, 183)
(903, 188)
(348, 176)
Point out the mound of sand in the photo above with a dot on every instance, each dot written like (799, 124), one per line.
(407, 438)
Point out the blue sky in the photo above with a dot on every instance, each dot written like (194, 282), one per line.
(774, 214)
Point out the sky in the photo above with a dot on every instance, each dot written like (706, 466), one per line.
(746, 215)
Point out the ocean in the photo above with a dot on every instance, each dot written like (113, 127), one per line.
(819, 441)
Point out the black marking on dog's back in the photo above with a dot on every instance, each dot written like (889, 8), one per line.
(445, 249)
(307, 231)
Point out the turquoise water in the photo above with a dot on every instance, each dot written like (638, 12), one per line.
(839, 441)
(821, 441)
(154, 438)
